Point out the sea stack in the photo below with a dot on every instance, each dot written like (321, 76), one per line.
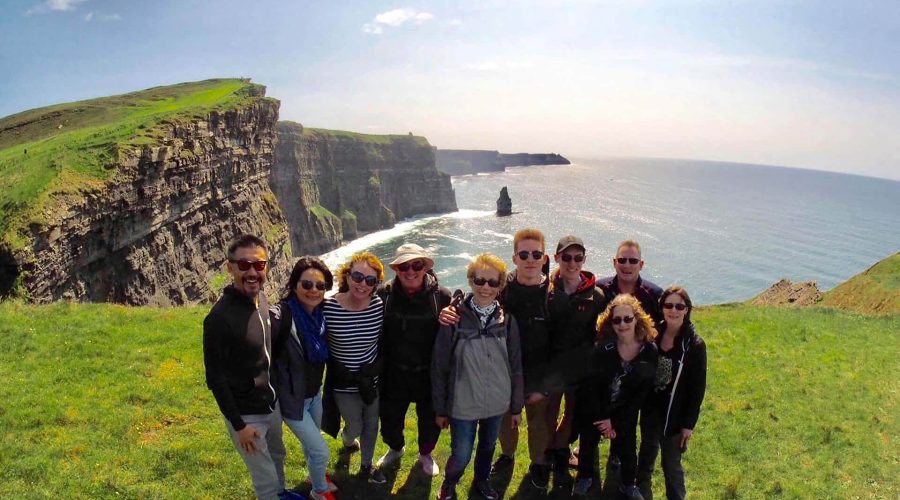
(504, 203)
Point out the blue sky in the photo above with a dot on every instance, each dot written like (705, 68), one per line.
(806, 84)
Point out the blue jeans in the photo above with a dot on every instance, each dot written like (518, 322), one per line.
(308, 431)
(462, 440)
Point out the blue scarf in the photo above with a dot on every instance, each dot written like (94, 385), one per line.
(312, 331)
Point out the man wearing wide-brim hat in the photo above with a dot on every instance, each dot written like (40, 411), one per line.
(412, 301)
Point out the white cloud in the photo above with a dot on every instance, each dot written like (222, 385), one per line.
(54, 6)
(488, 66)
(112, 17)
(396, 18)
(455, 22)
(88, 17)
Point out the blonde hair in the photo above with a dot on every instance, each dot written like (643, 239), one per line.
(644, 328)
(487, 261)
(528, 234)
(629, 244)
(344, 271)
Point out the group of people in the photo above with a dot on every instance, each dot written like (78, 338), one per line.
(585, 359)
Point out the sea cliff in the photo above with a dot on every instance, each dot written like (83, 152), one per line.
(333, 184)
(472, 161)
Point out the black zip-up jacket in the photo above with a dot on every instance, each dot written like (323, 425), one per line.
(646, 292)
(677, 397)
(594, 394)
(574, 321)
(528, 304)
(290, 363)
(407, 340)
(237, 355)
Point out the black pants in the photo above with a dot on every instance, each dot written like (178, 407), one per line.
(651, 423)
(651, 443)
(393, 418)
(624, 446)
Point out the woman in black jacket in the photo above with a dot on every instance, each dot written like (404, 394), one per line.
(679, 388)
(300, 351)
(623, 365)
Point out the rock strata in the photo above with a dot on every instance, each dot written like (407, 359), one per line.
(333, 184)
(156, 231)
(786, 293)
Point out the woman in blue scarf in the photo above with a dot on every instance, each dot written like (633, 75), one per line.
(300, 351)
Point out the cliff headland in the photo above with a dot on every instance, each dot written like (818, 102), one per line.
(133, 198)
(471, 161)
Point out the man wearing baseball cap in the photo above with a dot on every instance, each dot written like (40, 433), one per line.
(412, 301)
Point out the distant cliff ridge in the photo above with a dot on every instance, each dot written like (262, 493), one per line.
(333, 184)
(472, 161)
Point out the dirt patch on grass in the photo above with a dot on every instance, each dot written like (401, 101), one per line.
(786, 293)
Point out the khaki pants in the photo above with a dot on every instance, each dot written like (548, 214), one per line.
(538, 433)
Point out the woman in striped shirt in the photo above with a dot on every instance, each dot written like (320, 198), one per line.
(353, 318)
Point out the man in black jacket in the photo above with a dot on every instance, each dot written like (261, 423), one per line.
(237, 354)
(411, 305)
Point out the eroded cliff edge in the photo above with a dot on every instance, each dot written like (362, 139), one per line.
(472, 161)
(332, 184)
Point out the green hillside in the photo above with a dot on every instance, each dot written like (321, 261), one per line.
(105, 401)
(356, 136)
(62, 149)
(875, 291)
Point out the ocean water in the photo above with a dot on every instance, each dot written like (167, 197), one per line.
(724, 231)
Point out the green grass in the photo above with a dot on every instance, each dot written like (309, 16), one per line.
(875, 291)
(105, 401)
(75, 146)
(358, 137)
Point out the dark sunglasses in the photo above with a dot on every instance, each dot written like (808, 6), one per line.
(308, 285)
(490, 283)
(358, 277)
(567, 257)
(678, 307)
(535, 254)
(617, 320)
(245, 265)
(416, 266)
(630, 260)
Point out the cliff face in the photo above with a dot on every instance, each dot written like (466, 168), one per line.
(156, 231)
(471, 161)
(331, 184)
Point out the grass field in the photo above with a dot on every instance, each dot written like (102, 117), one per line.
(105, 401)
(59, 150)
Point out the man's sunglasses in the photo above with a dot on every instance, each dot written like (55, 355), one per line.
(308, 285)
(567, 257)
(490, 283)
(359, 277)
(617, 320)
(245, 265)
(630, 260)
(678, 307)
(416, 266)
(535, 254)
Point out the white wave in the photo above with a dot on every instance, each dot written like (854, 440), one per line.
(504, 236)
(464, 256)
(465, 213)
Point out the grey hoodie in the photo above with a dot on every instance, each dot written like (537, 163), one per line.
(477, 372)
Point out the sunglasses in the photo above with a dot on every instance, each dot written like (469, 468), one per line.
(617, 320)
(535, 254)
(245, 265)
(490, 283)
(358, 277)
(567, 257)
(416, 266)
(677, 307)
(630, 260)
(308, 285)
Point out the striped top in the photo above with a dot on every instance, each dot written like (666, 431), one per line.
(353, 335)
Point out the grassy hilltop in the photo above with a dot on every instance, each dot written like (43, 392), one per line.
(103, 401)
(62, 149)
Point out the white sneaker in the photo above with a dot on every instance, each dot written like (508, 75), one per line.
(389, 458)
(428, 466)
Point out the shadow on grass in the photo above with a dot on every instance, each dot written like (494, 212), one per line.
(417, 485)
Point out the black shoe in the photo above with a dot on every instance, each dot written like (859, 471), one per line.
(540, 476)
(631, 492)
(447, 492)
(485, 489)
(501, 465)
(372, 474)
